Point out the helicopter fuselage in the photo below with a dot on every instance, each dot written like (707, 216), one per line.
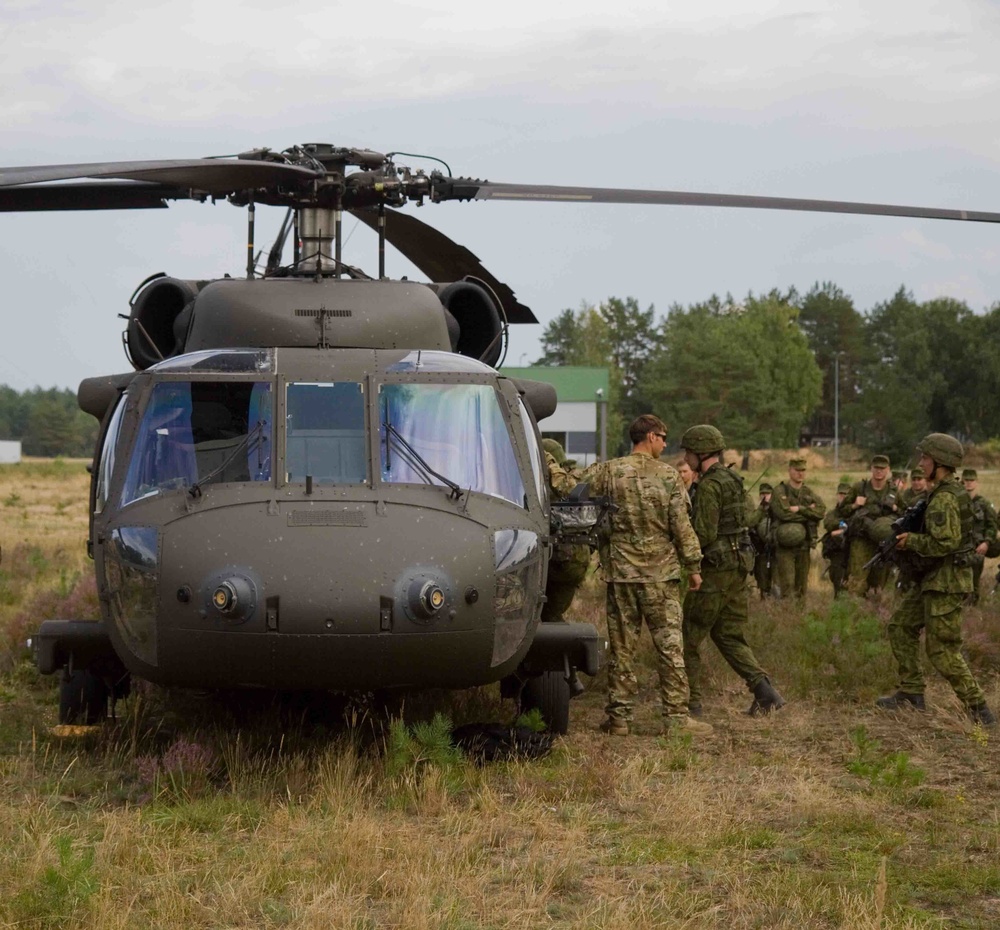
(320, 518)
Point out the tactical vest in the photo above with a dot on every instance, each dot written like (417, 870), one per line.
(732, 549)
(965, 511)
(916, 567)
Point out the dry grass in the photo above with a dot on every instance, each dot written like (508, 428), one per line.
(828, 815)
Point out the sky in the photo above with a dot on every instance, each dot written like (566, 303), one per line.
(893, 102)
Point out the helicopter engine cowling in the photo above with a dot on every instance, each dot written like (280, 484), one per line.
(152, 333)
(476, 312)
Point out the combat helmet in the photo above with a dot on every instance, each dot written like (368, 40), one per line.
(942, 448)
(555, 450)
(702, 439)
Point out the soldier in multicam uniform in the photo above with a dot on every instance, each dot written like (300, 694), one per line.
(937, 560)
(762, 538)
(641, 558)
(796, 510)
(871, 499)
(984, 529)
(835, 540)
(719, 607)
(569, 563)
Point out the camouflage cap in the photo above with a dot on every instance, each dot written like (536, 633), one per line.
(970, 474)
(880, 461)
(765, 488)
(702, 438)
(917, 472)
(843, 488)
(799, 463)
(554, 449)
(942, 448)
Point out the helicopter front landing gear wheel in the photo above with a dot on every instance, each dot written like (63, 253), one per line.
(549, 693)
(83, 698)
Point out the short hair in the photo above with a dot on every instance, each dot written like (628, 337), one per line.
(641, 426)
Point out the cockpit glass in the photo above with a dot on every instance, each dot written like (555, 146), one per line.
(325, 432)
(447, 434)
(193, 432)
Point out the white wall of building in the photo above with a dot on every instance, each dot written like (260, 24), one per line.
(10, 451)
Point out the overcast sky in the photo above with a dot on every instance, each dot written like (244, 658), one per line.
(892, 101)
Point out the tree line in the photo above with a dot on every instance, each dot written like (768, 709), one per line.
(770, 370)
(48, 422)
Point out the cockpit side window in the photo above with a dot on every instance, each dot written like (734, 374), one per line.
(106, 468)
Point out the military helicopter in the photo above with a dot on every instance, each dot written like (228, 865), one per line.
(315, 478)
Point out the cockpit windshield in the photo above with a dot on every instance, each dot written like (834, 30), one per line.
(447, 434)
(193, 432)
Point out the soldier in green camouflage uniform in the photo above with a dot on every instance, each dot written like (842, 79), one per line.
(835, 541)
(719, 607)
(937, 559)
(569, 563)
(984, 529)
(762, 538)
(916, 491)
(871, 499)
(795, 504)
(641, 558)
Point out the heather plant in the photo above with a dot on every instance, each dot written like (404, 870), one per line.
(183, 771)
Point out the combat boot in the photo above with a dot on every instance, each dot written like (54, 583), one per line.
(686, 724)
(981, 714)
(901, 700)
(765, 699)
(615, 726)
(695, 710)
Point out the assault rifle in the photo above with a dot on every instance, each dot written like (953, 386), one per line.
(910, 521)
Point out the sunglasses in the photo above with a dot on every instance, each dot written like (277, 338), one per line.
(662, 436)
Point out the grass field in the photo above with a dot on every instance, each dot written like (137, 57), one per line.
(192, 812)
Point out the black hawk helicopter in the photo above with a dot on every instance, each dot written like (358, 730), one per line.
(317, 479)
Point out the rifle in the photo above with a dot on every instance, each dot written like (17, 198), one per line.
(910, 521)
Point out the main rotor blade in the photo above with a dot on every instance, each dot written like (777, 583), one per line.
(442, 259)
(484, 190)
(89, 195)
(209, 175)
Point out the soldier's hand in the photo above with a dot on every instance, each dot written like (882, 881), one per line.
(860, 501)
(694, 581)
(981, 548)
(838, 532)
(901, 540)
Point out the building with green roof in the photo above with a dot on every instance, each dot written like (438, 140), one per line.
(582, 392)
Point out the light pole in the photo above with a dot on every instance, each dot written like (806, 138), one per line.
(836, 410)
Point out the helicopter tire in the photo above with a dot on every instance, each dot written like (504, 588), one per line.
(83, 698)
(549, 693)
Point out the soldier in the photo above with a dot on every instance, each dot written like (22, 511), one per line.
(641, 558)
(687, 477)
(762, 538)
(719, 607)
(569, 563)
(937, 560)
(899, 483)
(872, 501)
(916, 491)
(796, 510)
(984, 529)
(835, 540)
